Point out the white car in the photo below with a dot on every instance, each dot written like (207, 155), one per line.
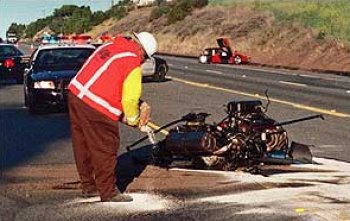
(156, 68)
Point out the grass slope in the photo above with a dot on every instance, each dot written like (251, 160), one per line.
(266, 30)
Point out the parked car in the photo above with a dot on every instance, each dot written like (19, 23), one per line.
(222, 54)
(12, 63)
(156, 68)
(48, 73)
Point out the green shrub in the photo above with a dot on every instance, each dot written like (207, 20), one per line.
(179, 11)
(199, 3)
(330, 17)
(321, 35)
(158, 12)
(183, 8)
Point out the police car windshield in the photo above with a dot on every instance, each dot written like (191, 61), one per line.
(61, 59)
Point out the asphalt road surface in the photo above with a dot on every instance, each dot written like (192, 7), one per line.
(39, 181)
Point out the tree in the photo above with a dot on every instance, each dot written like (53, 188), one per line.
(18, 29)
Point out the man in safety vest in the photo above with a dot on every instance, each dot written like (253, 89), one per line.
(107, 89)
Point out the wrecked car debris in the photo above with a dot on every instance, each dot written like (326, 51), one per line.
(246, 137)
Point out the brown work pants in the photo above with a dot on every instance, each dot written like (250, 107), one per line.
(95, 139)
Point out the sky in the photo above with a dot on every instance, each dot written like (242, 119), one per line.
(26, 11)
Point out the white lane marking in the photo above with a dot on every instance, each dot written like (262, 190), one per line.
(170, 65)
(293, 83)
(333, 146)
(214, 72)
(295, 105)
(267, 71)
(309, 76)
(348, 91)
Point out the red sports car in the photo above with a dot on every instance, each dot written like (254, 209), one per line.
(223, 54)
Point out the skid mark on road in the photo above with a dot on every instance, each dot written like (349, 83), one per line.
(296, 105)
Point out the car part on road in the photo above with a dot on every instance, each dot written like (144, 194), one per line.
(246, 137)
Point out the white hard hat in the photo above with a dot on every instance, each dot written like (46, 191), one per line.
(148, 42)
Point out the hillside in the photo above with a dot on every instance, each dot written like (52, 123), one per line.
(253, 32)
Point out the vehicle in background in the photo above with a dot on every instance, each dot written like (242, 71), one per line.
(48, 73)
(12, 63)
(223, 54)
(156, 68)
(11, 38)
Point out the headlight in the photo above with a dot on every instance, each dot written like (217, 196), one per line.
(44, 85)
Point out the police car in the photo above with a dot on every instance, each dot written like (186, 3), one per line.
(48, 73)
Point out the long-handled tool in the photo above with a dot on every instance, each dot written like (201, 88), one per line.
(187, 117)
(150, 135)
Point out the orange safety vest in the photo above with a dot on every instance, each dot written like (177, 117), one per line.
(99, 82)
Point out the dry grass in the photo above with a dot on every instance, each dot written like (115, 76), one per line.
(253, 32)
(103, 27)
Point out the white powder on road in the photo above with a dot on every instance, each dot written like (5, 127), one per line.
(142, 202)
(328, 196)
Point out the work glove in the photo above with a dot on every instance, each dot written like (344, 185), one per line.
(145, 114)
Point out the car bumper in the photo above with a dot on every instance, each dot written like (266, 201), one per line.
(49, 97)
(5, 73)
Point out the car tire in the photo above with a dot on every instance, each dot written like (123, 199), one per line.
(203, 59)
(32, 107)
(160, 75)
(25, 100)
(238, 59)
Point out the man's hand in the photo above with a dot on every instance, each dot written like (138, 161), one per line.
(145, 114)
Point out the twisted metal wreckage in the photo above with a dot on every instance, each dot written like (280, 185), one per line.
(246, 137)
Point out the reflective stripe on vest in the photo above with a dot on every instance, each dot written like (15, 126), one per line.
(84, 89)
(93, 55)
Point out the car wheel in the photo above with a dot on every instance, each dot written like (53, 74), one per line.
(203, 59)
(25, 99)
(238, 59)
(32, 107)
(160, 75)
